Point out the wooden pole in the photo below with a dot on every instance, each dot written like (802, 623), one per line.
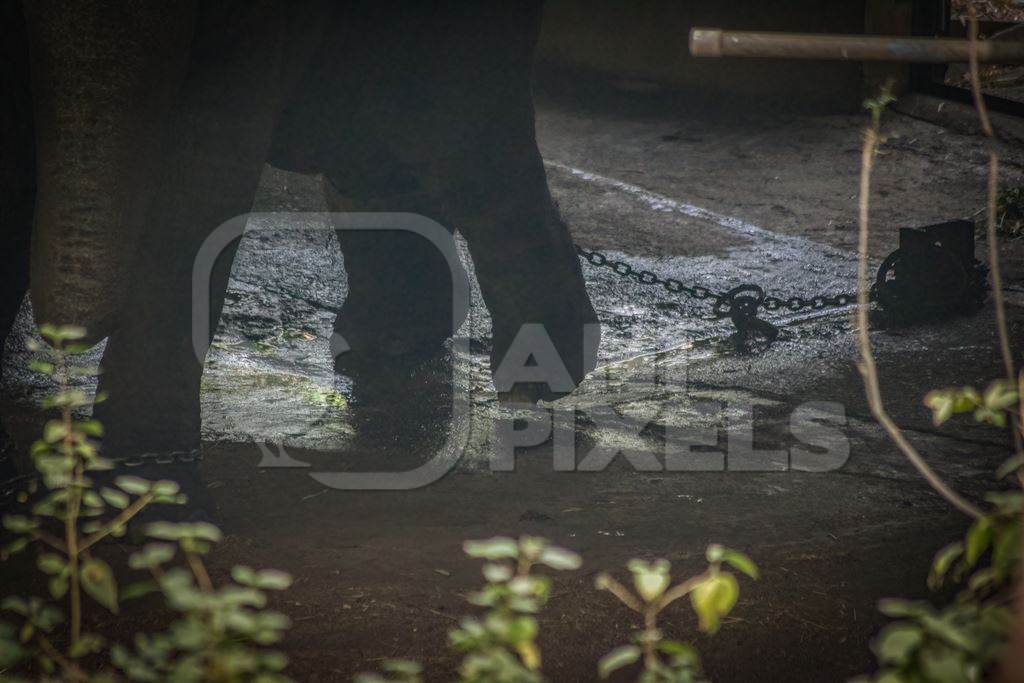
(714, 42)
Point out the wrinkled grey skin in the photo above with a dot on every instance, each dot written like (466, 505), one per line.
(153, 119)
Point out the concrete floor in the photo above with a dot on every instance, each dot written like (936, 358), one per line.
(707, 195)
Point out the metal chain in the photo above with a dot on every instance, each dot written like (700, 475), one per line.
(13, 486)
(717, 299)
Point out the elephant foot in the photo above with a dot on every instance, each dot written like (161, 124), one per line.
(152, 382)
(401, 411)
(545, 333)
(399, 307)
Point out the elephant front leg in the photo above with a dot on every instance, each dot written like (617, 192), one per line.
(244, 58)
(152, 372)
(152, 366)
(399, 306)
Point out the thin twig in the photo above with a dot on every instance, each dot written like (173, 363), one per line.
(991, 211)
(681, 590)
(1020, 421)
(608, 583)
(195, 563)
(73, 508)
(126, 515)
(867, 363)
(50, 540)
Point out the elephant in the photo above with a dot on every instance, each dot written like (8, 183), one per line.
(149, 125)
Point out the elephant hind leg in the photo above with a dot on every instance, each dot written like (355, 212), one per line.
(530, 278)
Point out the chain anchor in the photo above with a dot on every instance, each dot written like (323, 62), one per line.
(740, 304)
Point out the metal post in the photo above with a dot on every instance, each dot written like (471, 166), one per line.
(714, 42)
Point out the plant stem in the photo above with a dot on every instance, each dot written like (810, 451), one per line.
(621, 592)
(681, 590)
(650, 626)
(122, 519)
(867, 366)
(50, 540)
(74, 507)
(195, 563)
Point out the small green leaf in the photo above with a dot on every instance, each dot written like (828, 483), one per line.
(19, 524)
(59, 333)
(51, 563)
(166, 531)
(497, 573)
(981, 579)
(650, 580)
(243, 575)
(41, 366)
(897, 608)
(54, 431)
(1005, 549)
(88, 643)
(999, 396)
(273, 580)
(1008, 502)
(560, 558)
(91, 428)
(616, 659)
(152, 555)
(133, 485)
(15, 604)
(714, 553)
(115, 498)
(713, 599)
(14, 547)
(166, 487)
(1010, 466)
(979, 536)
(740, 562)
(98, 581)
(497, 548)
(58, 585)
(897, 642)
(138, 589)
(942, 563)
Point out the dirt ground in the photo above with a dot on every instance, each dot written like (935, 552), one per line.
(706, 193)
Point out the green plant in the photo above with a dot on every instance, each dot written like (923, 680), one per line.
(712, 594)
(68, 521)
(961, 642)
(500, 646)
(220, 633)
